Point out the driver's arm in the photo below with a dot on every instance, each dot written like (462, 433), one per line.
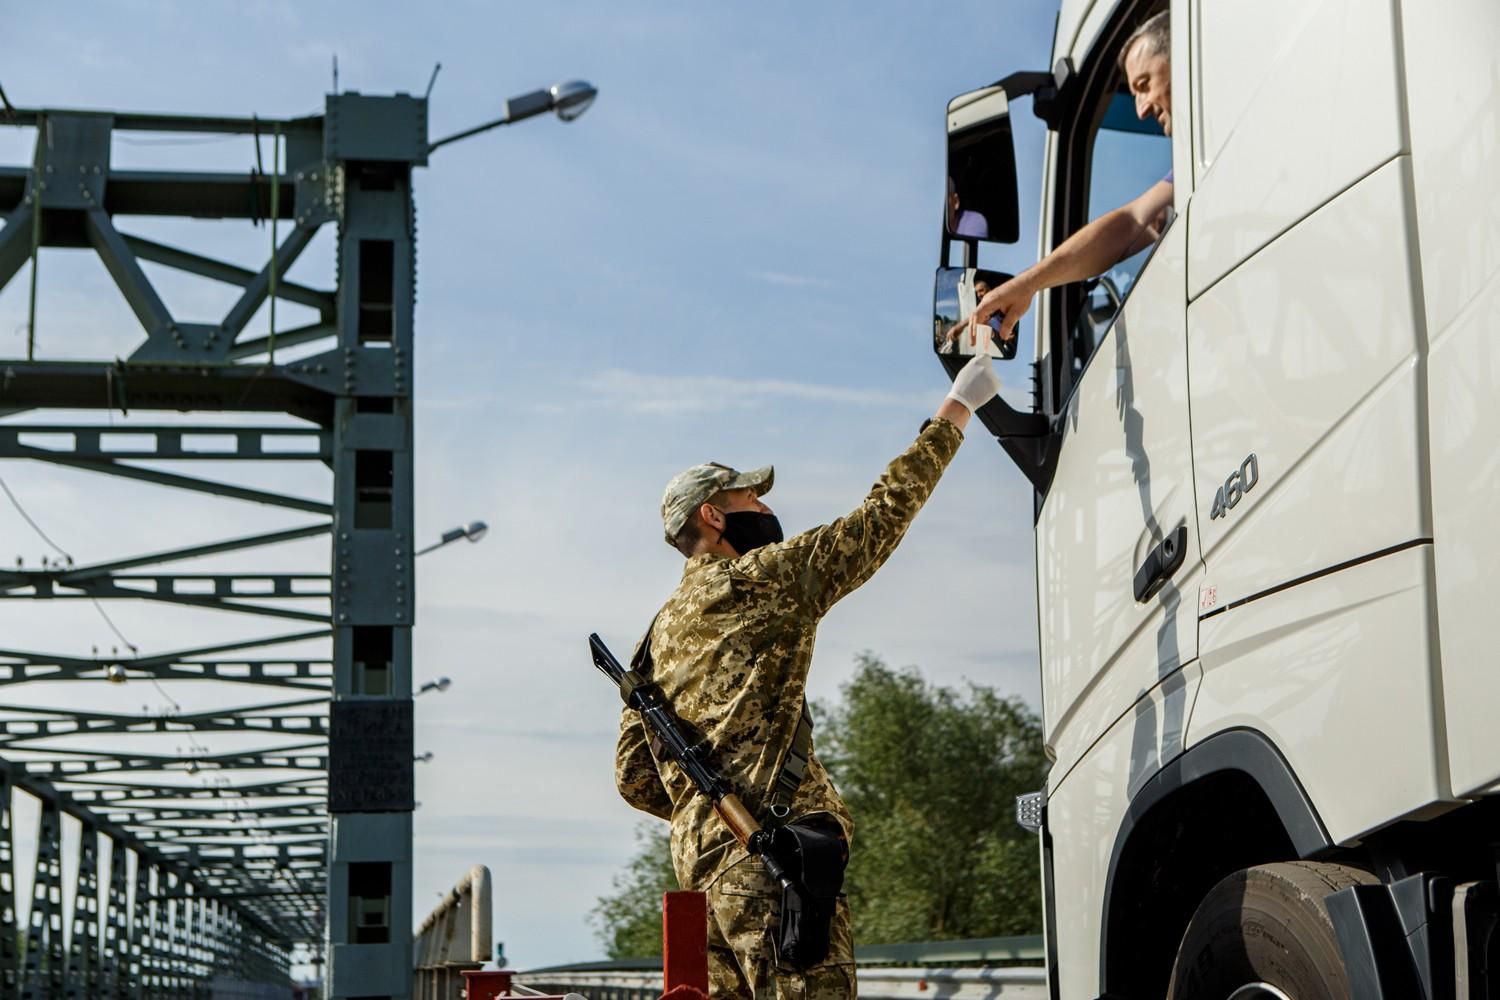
(1102, 243)
(1091, 251)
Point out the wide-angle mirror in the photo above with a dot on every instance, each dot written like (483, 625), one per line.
(956, 292)
(981, 201)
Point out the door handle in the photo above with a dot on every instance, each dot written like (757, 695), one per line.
(1161, 562)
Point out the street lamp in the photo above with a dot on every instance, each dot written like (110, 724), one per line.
(440, 685)
(473, 531)
(569, 100)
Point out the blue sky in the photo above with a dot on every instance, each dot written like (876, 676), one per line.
(729, 257)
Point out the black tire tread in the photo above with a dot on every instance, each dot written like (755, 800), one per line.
(1310, 882)
(1317, 879)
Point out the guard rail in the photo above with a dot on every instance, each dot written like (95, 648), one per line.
(885, 972)
(455, 936)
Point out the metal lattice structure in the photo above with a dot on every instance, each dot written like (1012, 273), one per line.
(202, 867)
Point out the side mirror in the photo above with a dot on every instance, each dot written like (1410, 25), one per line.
(955, 293)
(981, 201)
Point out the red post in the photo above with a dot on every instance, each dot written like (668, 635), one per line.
(486, 984)
(684, 940)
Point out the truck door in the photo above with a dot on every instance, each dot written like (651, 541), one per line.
(1117, 535)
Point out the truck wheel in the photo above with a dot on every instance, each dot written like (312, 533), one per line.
(1264, 934)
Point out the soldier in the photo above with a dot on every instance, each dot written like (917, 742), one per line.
(731, 651)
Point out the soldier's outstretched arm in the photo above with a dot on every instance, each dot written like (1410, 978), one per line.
(636, 776)
(826, 563)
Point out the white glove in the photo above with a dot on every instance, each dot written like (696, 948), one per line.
(976, 382)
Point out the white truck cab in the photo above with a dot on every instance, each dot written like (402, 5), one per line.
(1262, 453)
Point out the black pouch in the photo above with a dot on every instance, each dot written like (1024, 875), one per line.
(815, 855)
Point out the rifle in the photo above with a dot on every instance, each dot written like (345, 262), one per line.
(644, 696)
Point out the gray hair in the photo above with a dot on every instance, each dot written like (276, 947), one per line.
(1156, 31)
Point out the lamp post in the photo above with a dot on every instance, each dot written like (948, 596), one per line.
(568, 100)
(473, 531)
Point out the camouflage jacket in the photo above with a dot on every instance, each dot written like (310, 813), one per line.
(732, 647)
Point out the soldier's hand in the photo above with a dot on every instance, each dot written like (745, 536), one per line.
(976, 382)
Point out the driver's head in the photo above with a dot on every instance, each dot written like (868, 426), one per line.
(1147, 63)
(984, 281)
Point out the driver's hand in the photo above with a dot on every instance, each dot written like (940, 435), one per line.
(1010, 301)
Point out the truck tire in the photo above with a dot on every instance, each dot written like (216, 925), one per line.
(1264, 934)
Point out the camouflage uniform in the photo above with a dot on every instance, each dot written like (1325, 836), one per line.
(732, 647)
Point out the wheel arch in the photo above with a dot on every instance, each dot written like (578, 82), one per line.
(1229, 802)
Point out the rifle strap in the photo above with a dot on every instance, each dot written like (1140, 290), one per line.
(641, 668)
(793, 768)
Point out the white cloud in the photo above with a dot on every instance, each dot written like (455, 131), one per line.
(792, 280)
(643, 392)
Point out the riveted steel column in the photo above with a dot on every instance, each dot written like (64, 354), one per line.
(373, 143)
(83, 945)
(42, 978)
(140, 932)
(115, 961)
(10, 945)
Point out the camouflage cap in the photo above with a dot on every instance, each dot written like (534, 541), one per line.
(691, 487)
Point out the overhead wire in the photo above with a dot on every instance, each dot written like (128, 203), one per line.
(42, 534)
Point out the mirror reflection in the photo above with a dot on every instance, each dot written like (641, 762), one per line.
(981, 200)
(956, 291)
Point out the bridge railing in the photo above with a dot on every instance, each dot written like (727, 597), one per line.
(457, 935)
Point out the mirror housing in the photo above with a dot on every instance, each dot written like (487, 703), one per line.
(981, 200)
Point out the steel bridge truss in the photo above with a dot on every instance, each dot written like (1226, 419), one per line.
(205, 865)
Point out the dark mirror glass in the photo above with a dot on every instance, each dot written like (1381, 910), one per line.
(956, 291)
(981, 201)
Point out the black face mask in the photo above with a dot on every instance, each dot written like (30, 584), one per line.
(745, 530)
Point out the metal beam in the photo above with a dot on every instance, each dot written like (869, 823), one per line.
(124, 471)
(148, 307)
(15, 243)
(287, 338)
(92, 385)
(68, 764)
(165, 585)
(232, 274)
(50, 723)
(164, 591)
(259, 287)
(74, 577)
(205, 442)
(151, 122)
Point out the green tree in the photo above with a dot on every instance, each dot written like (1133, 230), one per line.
(628, 921)
(930, 776)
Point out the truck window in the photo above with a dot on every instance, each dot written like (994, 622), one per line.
(1126, 157)
(1129, 156)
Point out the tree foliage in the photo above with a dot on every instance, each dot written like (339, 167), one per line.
(628, 920)
(930, 775)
